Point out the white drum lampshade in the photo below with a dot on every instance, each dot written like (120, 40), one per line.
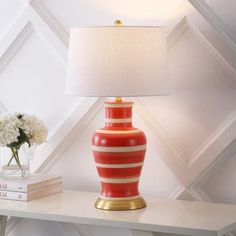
(118, 62)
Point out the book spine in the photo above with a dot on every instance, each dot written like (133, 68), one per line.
(12, 187)
(13, 195)
(22, 196)
(24, 187)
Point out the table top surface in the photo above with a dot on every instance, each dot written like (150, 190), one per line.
(161, 215)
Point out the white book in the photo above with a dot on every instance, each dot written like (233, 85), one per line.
(34, 182)
(32, 195)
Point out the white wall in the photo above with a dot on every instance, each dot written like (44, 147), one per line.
(191, 148)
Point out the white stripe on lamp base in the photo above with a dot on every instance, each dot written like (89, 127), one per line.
(118, 121)
(116, 166)
(120, 180)
(135, 131)
(117, 105)
(119, 149)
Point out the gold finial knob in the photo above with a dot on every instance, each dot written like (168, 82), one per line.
(118, 23)
(118, 99)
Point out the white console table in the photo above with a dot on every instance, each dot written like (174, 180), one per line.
(165, 216)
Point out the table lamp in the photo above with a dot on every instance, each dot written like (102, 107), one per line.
(118, 61)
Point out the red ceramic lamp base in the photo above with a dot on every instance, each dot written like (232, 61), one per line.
(119, 151)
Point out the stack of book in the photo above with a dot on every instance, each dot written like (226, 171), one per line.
(36, 186)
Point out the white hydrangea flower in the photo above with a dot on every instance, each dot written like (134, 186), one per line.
(34, 128)
(9, 129)
(35, 132)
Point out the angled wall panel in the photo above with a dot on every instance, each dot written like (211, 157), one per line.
(34, 81)
(9, 11)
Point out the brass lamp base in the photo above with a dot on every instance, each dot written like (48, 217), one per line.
(120, 205)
